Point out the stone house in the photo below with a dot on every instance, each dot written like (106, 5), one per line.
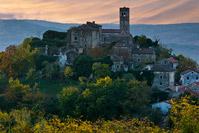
(164, 77)
(87, 35)
(189, 76)
(170, 62)
(92, 35)
(120, 64)
(192, 88)
(143, 55)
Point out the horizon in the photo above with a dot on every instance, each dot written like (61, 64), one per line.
(95, 22)
(142, 12)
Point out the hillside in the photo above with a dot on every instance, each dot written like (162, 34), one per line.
(181, 37)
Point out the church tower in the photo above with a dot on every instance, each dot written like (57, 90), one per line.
(125, 20)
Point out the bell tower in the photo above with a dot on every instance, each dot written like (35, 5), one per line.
(125, 20)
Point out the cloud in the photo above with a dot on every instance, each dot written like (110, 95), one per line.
(102, 11)
(6, 16)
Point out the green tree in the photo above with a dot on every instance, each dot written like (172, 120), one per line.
(101, 70)
(16, 91)
(82, 65)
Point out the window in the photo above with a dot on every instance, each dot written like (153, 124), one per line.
(139, 59)
(165, 62)
(75, 38)
(196, 78)
(187, 78)
(160, 83)
(123, 14)
(117, 66)
(161, 77)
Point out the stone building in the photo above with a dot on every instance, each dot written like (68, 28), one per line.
(164, 77)
(120, 64)
(87, 35)
(121, 35)
(92, 35)
(189, 76)
(170, 62)
(143, 55)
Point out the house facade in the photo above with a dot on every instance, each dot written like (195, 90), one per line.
(164, 77)
(170, 63)
(87, 35)
(143, 55)
(189, 76)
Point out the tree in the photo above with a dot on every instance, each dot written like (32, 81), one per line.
(82, 65)
(68, 73)
(101, 70)
(17, 61)
(184, 64)
(6, 60)
(184, 116)
(16, 91)
(138, 96)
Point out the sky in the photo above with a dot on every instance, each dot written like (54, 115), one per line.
(102, 11)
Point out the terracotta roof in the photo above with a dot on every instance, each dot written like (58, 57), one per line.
(188, 71)
(161, 68)
(143, 51)
(172, 60)
(192, 92)
(111, 31)
(197, 83)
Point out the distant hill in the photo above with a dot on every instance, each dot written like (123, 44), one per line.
(183, 38)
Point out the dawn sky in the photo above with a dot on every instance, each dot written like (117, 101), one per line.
(102, 11)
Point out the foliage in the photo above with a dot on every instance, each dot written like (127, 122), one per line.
(144, 76)
(39, 59)
(101, 70)
(68, 72)
(82, 65)
(184, 116)
(17, 61)
(54, 35)
(144, 42)
(105, 99)
(184, 64)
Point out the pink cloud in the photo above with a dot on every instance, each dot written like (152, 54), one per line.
(103, 11)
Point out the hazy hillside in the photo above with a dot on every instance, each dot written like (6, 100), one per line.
(183, 38)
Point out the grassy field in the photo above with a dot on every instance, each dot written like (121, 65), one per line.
(50, 87)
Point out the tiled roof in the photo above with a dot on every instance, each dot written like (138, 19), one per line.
(143, 51)
(172, 60)
(197, 83)
(111, 31)
(188, 71)
(161, 68)
(192, 92)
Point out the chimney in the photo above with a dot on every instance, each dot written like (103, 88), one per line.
(93, 22)
(177, 87)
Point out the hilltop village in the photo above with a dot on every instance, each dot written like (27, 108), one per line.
(127, 54)
(91, 79)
